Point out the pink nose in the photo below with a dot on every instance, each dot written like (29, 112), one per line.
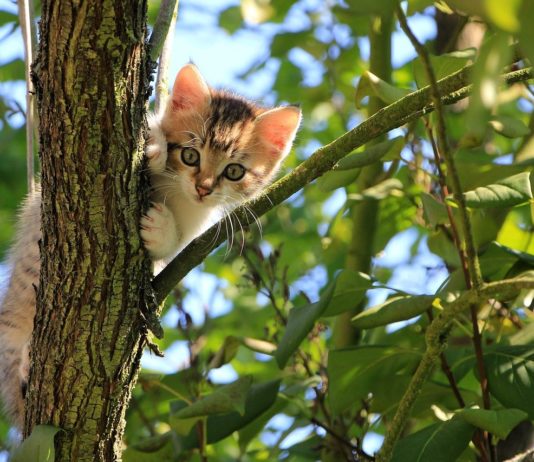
(202, 191)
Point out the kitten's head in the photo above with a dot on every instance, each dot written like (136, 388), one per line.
(221, 148)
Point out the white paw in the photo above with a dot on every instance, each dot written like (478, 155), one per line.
(158, 231)
(156, 147)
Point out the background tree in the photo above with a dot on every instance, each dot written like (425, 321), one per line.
(445, 237)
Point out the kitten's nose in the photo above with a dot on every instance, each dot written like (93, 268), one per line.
(203, 191)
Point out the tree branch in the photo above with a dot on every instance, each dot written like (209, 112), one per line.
(162, 80)
(161, 27)
(436, 337)
(412, 106)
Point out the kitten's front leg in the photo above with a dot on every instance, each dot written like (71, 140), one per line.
(159, 233)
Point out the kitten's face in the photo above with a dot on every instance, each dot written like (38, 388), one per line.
(222, 149)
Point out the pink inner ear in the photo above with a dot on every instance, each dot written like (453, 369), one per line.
(278, 127)
(190, 91)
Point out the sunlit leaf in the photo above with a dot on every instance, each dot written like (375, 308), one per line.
(508, 192)
(389, 187)
(38, 447)
(504, 14)
(352, 372)
(224, 399)
(337, 179)
(441, 442)
(371, 85)
(499, 422)
(372, 154)
(14, 70)
(231, 19)
(226, 353)
(443, 65)
(510, 372)
(350, 290)
(435, 211)
(158, 448)
(509, 126)
(393, 310)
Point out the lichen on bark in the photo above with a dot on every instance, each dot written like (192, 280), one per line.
(91, 77)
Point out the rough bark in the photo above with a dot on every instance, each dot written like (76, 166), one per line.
(91, 81)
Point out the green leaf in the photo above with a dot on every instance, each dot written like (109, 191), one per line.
(510, 371)
(500, 422)
(38, 447)
(435, 211)
(300, 323)
(526, 33)
(376, 7)
(180, 425)
(372, 154)
(507, 192)
(371, 85)
(227, 398)
(504, 14)
(509, 126)
(351, 287)
(310, 448)
(337, 179)
(259, 399)
(415, 6)
(157, 448)
(389, 187)
(6, 17)
(226, 353)
(443, 65)
(353, 372)
(441, 442)
(393, 310)
(231, 19)
(249, 431)
(14, 70)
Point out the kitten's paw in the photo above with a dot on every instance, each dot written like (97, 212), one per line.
(158, 232)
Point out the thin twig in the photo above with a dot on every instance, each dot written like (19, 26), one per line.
(161, 27)
(162, 79)
(474, 276)
(454, 87)
(436, 336)
(26, 20)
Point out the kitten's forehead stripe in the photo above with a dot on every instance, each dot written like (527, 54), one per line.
(228, 117)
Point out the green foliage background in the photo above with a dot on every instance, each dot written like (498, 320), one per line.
(301, 395)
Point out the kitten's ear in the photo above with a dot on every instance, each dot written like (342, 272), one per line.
(277, 128)
(190, 90)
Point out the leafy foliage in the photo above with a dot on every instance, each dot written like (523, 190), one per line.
(307, 383)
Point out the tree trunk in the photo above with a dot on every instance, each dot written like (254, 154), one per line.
(91, 78)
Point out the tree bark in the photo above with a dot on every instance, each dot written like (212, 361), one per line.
(91, 78)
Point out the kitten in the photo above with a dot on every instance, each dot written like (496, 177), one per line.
(207, 153)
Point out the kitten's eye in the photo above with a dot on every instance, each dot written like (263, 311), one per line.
(190, 157)
(234, 172)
